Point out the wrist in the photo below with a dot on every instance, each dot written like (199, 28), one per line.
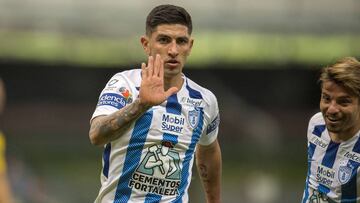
(142, 105)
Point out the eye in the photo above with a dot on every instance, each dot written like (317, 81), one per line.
(344, 101)
(325, 98)
(163, 39)
(182, 40)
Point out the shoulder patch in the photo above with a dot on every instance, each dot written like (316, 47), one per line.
(111, 99)
(213, 125)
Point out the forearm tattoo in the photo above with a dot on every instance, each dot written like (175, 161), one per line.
(203, 172)
(114, 125)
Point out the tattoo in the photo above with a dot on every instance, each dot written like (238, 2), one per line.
(203, 171)
(114, 125)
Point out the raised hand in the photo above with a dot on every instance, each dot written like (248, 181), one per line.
(152, 91)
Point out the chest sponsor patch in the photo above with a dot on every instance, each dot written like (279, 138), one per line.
(318, 141)
(191, 101)
(325, 175)
(172, 124)
(159, 171)
(354, 156)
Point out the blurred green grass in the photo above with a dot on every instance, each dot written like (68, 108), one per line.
(210, 47)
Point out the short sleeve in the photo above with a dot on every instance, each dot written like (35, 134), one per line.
(118, 92)
(212, 128)
(316, 119)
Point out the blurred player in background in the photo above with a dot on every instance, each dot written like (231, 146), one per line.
(154, 120)
(5, 191)
(334, 137)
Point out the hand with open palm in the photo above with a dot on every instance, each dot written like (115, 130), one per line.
(152, 91)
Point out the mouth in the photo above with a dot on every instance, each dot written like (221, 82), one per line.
(333, 120)
(172, 63)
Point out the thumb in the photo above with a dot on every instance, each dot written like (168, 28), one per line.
(171, 91)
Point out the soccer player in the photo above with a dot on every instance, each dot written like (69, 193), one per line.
(153, 121)
(334, 137)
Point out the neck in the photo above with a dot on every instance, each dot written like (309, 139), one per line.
(173, 82)
(343, 136)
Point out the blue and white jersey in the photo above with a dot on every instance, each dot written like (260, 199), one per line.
(152, 161)
(333, 168)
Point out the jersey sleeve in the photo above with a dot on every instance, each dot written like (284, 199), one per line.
(118, 92)
(316, 119)
(211, 130)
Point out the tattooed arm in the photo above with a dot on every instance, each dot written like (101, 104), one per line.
(104, 129)
(208, 161)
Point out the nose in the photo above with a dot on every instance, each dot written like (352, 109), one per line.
(333, 108)
(173, 50)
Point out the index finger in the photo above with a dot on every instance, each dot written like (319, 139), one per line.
(143, 70)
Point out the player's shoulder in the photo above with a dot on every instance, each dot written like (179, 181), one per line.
(131, 74)
(207, 95)
(316, 119)
(130, 77)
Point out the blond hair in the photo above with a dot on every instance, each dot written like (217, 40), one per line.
(345, 72)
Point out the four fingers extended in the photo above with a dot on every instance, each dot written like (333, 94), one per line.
(155, 68)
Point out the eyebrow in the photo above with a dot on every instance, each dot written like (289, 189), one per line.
(339, 97)
(166, 35)
(162, 35)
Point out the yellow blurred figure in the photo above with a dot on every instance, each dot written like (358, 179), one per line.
(2, 153)
(5, 191)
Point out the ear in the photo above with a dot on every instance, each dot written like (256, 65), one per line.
(191, 45)
(145, 44)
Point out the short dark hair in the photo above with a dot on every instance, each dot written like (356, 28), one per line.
(167, 14)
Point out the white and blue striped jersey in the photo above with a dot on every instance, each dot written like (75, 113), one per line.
(152, 161)
(333, 168)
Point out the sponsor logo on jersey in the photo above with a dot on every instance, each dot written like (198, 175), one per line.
(213, 125)
(172, 124)
(154, 185)
(112, 82)
(113, 100)
(192, 102)
(318, 141)
(325, 175)
(110, 86)
(159, 171)
(345, 173)
(353, 156)
(193, 117)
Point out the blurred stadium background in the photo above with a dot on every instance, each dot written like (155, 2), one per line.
(261, 59)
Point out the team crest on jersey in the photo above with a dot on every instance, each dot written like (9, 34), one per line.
(126, 94)
(345, 173)
(193, 117)
(159, 171)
